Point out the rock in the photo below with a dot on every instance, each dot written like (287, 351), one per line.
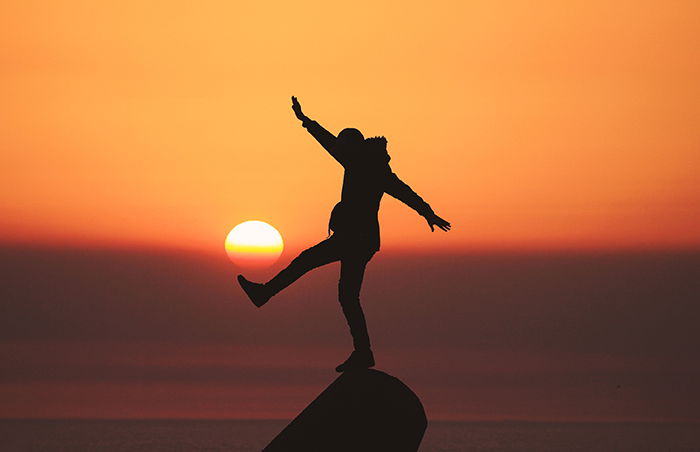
(364, 410)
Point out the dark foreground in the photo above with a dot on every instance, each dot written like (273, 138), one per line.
(248, 436)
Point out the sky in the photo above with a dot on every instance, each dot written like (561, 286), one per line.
(560, 139)
(527, 125)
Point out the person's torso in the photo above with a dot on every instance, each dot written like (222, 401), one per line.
(356, 215)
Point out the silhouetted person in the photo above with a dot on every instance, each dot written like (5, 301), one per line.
(354, 226)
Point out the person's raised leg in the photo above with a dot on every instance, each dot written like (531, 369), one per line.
(316, 256)
(352, 270)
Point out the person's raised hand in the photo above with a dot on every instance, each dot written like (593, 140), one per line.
(297, 109)
(433, 220)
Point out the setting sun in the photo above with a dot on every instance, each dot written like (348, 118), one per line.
(254, 244)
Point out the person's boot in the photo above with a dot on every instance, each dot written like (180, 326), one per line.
(258, 293)
(358, 360)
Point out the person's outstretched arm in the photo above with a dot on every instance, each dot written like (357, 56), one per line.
(401, 191)
(324, 137)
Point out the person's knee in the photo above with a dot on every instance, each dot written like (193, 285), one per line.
(304, 257)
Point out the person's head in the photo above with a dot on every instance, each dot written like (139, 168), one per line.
(350, 138)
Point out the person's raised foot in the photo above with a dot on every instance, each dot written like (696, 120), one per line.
(358, 360)
(257, 292)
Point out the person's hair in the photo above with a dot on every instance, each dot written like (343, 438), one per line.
(375, 148)
(351, 136)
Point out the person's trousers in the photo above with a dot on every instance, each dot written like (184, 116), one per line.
(353, 261)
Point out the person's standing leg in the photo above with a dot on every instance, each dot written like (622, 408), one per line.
(316, 256)
(352, 271)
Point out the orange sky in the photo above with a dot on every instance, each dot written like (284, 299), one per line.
(546, 124)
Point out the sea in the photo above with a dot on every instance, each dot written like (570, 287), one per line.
(254, 435)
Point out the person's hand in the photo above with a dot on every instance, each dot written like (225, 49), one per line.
(297, 109)
(433, 220)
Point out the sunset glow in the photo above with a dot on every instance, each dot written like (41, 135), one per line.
(560, 139)
(254, 243)
(555, 125)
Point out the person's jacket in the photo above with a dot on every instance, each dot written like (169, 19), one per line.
(367, 177)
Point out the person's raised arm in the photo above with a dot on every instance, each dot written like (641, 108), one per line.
(324, 137)
(401, 191)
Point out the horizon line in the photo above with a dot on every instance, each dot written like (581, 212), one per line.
(512, 249)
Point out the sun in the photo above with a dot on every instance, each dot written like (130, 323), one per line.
(254, 244)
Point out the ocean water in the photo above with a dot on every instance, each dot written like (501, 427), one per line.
(248, 436)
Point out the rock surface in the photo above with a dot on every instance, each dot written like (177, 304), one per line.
(365, 410)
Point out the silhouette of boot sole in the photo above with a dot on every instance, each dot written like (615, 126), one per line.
(252, 290)
(355, 364)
